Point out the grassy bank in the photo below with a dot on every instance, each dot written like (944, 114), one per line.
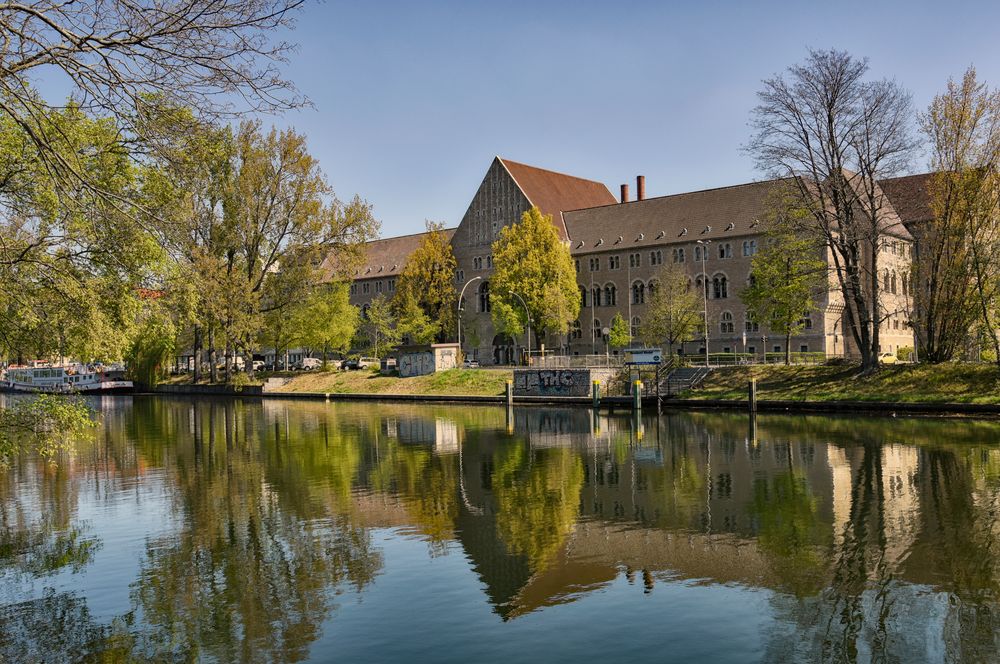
(945, 383)
(454, 382)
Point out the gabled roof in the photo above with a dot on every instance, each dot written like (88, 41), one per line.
(712, 214)
(387, 256)
(554, 193)
(911, 197)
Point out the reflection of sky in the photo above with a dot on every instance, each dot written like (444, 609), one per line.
(432, 609)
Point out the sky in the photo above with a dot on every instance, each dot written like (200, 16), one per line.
(412, 100)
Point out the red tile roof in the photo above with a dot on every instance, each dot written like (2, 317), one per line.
(554, 193)
(910, 196)
(387, 256)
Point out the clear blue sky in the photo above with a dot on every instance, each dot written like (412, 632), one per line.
(413, 99)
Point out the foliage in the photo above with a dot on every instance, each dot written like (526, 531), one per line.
(905, 353)
(45, 425)
(428, 282)
(958, 276)
(382, 334)
(833, 136)
(619, 335)
(152, 347)
(787, 273)
(327, 320)
(531, 261)
(675, 311)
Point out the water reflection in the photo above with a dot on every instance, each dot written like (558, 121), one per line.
(244, 526)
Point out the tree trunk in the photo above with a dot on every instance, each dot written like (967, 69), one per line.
(213, 368)
(196, 354)
(788, 349)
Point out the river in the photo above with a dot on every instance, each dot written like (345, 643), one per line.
(247, 530)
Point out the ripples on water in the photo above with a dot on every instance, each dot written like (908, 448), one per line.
(285, 531)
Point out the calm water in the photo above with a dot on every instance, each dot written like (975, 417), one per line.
(287, 531)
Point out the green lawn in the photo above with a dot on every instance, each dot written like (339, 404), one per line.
(454, 382)
(943, 383)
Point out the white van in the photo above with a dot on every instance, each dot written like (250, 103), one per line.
(308, 363)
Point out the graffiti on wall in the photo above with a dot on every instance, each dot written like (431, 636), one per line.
(416, 364)
(552, 382)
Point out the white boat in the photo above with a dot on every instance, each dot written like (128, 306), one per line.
(61, 379)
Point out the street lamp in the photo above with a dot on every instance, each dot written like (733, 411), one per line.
(458, 312)
(528, 330)
(704, 276)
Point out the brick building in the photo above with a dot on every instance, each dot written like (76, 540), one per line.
(619, 245)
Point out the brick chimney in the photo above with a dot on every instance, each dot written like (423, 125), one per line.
(640, 187)
(624, 193)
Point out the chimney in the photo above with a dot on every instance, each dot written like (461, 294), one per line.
(640, 187)
(624, 193)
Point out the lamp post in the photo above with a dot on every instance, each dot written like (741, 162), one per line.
(458, 311)
(704, 276)
(528, 330)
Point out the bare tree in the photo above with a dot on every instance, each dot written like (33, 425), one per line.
(120, 57)
(835, 135)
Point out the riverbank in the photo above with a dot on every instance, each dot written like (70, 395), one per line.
(942, 384)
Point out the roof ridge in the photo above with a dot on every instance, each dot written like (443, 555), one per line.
(398, 237)
(685, 193)
(506, 161)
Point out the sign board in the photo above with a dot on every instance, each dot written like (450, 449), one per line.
(643, 356)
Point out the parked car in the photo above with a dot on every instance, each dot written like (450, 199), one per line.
(368, 362)
(888, 358)
(350, 363)
(471, 364)
(258, 365)
(310, 363)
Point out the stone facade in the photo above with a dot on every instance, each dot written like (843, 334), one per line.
(619, 247)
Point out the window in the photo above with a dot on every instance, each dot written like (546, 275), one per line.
(678, 255)
(720, 287)
(364, 312)
(806, 321)
(634, 260)
(392, 285)
(653, 285)
(726, 323)
(484, 297)
(777, 348)
(378, 286)
(595, 264)
(804, 348)
(749, 247)
(460, 276)
(489, 262)
(701, 282)
(597, 330)
(638, 293)
(365, 287)
(751, 325)
(477, 263)
(577, 332)
(583, 296)
(892, 282)
(697, 252)
(636, 322)
(596, 294)
(656, 257)
(354, 289)
(610, 295)
(904, 281)
(725, 250)
(614, 262)
(576, 264)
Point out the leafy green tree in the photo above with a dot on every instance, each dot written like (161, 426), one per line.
(45, 425)
(675, 310)
(328, 320)
(531, 261)
(381, 332)
(787, 273)
(428, 281)
(620, 335)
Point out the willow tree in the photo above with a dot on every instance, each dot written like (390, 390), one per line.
(957, 276)
(532, 263)
(834, 134)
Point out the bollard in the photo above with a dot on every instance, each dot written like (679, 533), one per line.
(510, 393)
(752, 395)
(596, 393)
(637, 396)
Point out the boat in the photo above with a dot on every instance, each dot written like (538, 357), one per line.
(63, 379)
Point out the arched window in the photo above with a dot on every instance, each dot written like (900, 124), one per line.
(680, 255)
(697, 253)
(906, 284)
(583, 297)
(635, 326)
(725, 250)
(577, 331)
(653, 286)
(597, 330)
(720, 287)
(484, 297)
(749, 247)
(726, 323)
(597, 296)
(751, 325)
(638, 293)
(610, 295)
(885, 278)
(893, 283)
(701, 282)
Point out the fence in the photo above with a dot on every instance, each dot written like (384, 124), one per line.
(576, 361)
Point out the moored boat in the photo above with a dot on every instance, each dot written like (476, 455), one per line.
(62, 379)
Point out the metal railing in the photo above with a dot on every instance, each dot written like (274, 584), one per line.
(577, 361)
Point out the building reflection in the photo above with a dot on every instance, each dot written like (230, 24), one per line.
(875, 538)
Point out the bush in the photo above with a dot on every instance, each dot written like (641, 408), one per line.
(904, 353)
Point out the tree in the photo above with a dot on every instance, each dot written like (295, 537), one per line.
(428, 282)
(120, 58)
(619, 335)
(328, 320)
(834, 134)
(957, 277)
(531, 261)
(675, 310)
(380, 326)
(787, 273)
